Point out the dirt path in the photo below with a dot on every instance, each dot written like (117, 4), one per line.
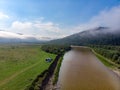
(3, 82)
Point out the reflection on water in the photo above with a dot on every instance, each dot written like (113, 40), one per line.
(81, 70)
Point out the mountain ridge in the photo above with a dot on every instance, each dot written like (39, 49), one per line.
(98, 35)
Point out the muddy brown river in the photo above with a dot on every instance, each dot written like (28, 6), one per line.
(81, 70)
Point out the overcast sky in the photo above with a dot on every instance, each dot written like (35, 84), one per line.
(57, 18)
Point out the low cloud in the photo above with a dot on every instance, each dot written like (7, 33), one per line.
(5, 34)
(49, 30)
(43, 29)
(21, 25)
(108, 18)
(48, 26)
(9, 35)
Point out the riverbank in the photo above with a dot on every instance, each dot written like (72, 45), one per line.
(51, 85)
(82, 70)
(114, 67)
(117, 72)
(42, 81)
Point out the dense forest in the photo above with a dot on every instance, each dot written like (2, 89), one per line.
(56, 49)
(110, 52)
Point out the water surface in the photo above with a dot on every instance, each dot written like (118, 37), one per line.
(81, 70)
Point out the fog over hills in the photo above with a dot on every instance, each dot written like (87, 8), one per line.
(98, 35)
(9, 37)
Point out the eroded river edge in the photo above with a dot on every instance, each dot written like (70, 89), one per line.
(81, 70)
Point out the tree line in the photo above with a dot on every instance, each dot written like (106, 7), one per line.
(110, 52)
(55, 49)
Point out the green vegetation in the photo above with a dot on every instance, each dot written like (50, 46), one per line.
(43, 77)
(56, 49)
(20, 64)
(56, 73)
(109, 55)
(59, 50)
(97, 36)
(38, 81)
(104, 60)
(42, 80)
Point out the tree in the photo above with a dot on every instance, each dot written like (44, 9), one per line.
(115, 57)
(118, 60)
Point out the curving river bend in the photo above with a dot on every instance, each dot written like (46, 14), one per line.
(81, 70)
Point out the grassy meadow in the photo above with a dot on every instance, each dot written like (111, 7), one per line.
(20, 64)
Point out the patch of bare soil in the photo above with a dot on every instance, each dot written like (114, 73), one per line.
(117, 72)
(50, 85)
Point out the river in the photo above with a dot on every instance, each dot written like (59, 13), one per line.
(81, 70)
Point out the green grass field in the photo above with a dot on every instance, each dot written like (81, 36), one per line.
(20, 64)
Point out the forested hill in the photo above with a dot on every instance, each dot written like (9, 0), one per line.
(99, 36)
